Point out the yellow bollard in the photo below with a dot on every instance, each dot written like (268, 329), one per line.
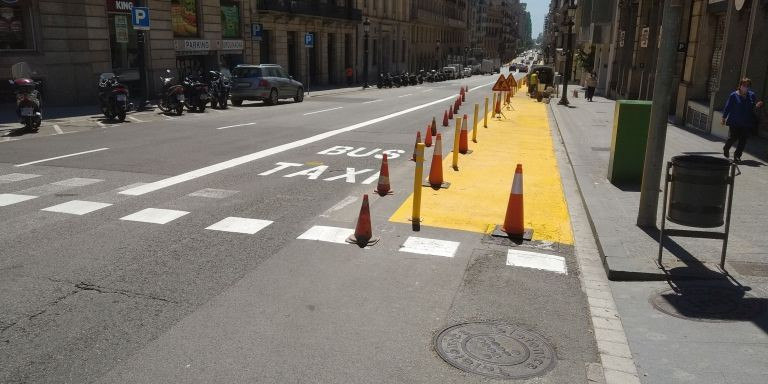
(474, 124)
(456, 144)
(485, 116)
(418, 175)
(494, 103)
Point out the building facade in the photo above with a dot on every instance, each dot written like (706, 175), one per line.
(439, 30)
(720, 42)
(68, 44)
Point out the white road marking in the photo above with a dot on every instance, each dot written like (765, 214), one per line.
(340, 205)
(77, 207)
(9, 198)
(168, 117)
(406, 95)
(213, 193)
(191, 175)
(535, 260)
(61, 157)
(155, 216)
(129, 186)
(237, 108)
(481, 86)
(323, 110)
(432, 247)
(372, 101)
(328, 234)
(236, 125)
(77, 182)
(374, 177)
(240, 225)
(57, 129)
(11, 177)
(427, 90)
(136, 119)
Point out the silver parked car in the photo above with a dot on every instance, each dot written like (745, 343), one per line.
(266, 82)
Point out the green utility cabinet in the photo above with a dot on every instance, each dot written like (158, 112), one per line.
(629, 137)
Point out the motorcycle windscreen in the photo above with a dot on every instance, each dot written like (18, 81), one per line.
(106, 76)
(21, 70)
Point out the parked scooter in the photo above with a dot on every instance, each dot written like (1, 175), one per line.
(113, 97)
(28, 100)
(195, 94)
(218, 89)
(171, 95)
(384, 81)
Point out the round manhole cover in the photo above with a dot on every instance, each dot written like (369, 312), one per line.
(708, 304)
(494, 349)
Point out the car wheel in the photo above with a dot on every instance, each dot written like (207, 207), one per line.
(299, 95)
(272, 100)
(237, 102)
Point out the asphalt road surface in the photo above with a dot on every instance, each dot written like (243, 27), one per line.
(168, 250)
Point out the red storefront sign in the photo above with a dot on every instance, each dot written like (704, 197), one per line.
(121, 6)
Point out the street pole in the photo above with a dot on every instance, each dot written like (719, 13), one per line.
(568, 63)
(366, 25)
(657, 130)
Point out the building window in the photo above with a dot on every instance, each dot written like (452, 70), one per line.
(230, 19)
(184, 18)
(123, 44)
(15, 25)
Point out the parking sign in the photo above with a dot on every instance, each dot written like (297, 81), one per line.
(140, 18)
(309, 40)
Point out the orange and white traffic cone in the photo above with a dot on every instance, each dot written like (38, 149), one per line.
(363, 235)
(456, 106)
(463, 140)
(428, 136)
(436, 168)
(418, 140)
(445, 119)
(433, 126)
(383, 188)
(514, 226)
(463, 96)
(450, 113)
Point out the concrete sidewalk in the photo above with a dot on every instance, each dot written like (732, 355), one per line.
(629, 252)
(688, 322)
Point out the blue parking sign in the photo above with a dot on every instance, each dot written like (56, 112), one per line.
(140, 18)
(309, 40)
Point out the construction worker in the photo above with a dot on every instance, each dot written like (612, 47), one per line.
(533, 84)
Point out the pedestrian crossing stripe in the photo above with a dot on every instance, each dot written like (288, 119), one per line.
(155, 216)
(77, 207)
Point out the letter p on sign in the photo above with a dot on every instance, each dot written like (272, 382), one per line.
(140, 18)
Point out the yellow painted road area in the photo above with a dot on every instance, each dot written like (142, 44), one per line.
(479, 192)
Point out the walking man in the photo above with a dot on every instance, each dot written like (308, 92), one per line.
(591, 85)
(739, 115)
(349, 74)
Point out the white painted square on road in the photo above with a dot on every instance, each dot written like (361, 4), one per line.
(240, 225)
(213, 193)
(129, 186)
(77, 207)
(432, 247)
(155, 215)
(9, 198)
(329, 234)
(11, 177)
(77, 182)
(517, 258)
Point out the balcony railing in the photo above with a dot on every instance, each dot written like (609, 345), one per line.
(310, 8)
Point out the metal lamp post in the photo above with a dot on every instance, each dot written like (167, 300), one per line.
(366, 29)
(466, 52)
(568, 22)
(437, 54)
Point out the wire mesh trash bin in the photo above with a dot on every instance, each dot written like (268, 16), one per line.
(700, 196)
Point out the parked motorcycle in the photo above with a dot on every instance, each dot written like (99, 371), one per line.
(396, 81)
(171, 95)
(28, 101)
(218, 89)
(113, 97)
(384, 81)
(195, 94)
